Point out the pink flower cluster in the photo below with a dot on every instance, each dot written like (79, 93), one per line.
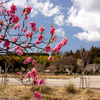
(19, 50)
(24, 30)
(34, 62)
(27, 45)
(54, 38)
(0, 28)
(40, 37)
(33, 26)
(60, 45)
(29, 34)
(28, 9)
(14, 39)
(14, 18)
(30, 59)
(47, 48)
(50, 58)
(17, 26)
(37, 95)
(13, 8)
(41, 29)
(6, 44)
(38, 42)
(41, 81)
(52, 31)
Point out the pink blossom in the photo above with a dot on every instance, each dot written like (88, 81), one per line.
(64, 41)
(26, 62)
(28, 9)
(18, 73)
(40, 37)
(17, 47)
(55, 38)
(59, 45)
(33, 26)
(8, 12)
(29, 34)
(13, 8)
(17, 26)
(38, 42)
(21, 13)
(29, 59)
(1, 9)
(34, 62)
(1, 2)
(8, 48)
(0, 28)
(26, 17)
(42, 29)
(28, 74)
(19, 52)
(6, 43)
(14, 19)
(0, 41)
(23, 76)
(27, 45)
(37, 95)
(47, 48)
(34, 29)
(33, 73)
(55, 50)
(52, 30)
(50, 58)
(24, 30)
(14, 39)
(35, 82)
(41, 81)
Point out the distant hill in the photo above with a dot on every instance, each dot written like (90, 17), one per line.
(64, 61)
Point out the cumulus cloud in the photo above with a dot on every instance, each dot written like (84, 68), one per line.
(19, 3)
(59, 19)
(44, 7)
(60, 32)
(86, 15)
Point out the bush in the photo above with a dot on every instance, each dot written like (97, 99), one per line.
(88, 91)
(45, 89)
(70, 88)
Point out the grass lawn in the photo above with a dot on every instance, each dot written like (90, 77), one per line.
(48, 93)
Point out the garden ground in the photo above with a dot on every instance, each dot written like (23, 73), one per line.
(20, 92)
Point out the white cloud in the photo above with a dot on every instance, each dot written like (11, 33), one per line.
(19, 3)
(59, 19)
(44, 7)
(86, 15)
(60, 32)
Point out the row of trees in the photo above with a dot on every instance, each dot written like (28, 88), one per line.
(18, 61)
(93, 55)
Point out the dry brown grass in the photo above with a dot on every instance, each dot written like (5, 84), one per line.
(48, 76)
(48, 93)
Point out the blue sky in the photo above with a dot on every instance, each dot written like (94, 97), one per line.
(77, 20)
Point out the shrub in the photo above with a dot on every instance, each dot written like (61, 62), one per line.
(70, 88)
(45, 89)
(88, 91)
